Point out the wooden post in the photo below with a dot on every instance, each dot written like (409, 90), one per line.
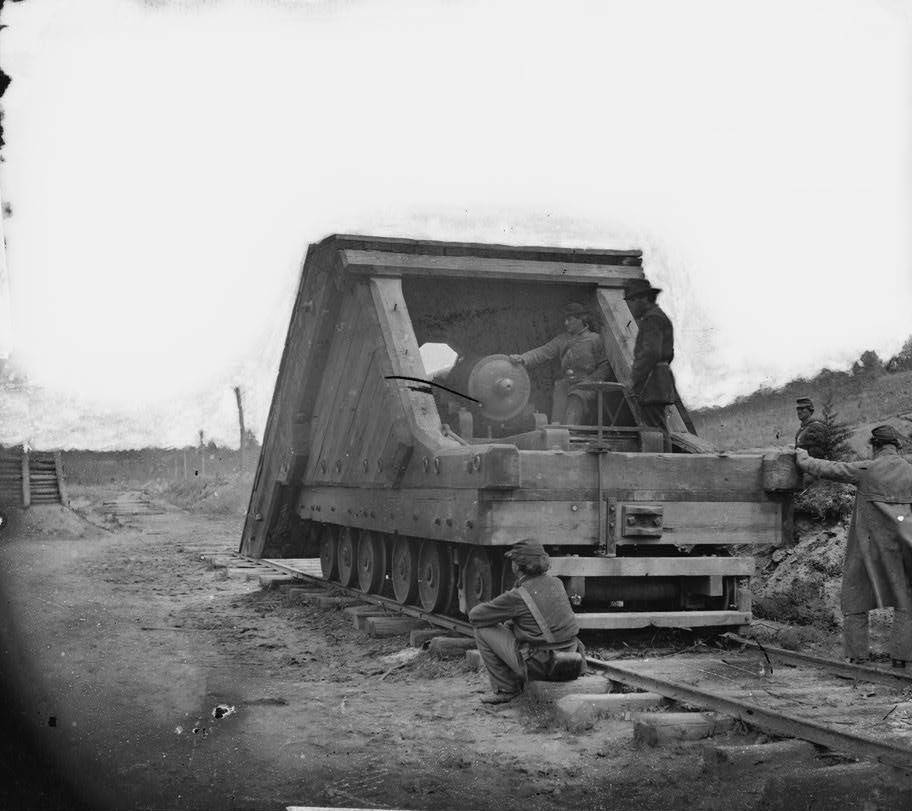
(237, 395)
(26, 484)
(61, 481)
(185, 464)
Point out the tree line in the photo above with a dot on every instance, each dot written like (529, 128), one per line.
(867, 367)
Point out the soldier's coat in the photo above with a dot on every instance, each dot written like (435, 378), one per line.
(651, 378)
(582, 357)
(878, 562)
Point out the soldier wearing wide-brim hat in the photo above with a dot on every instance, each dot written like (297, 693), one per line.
(640, 288)
(582, 359)
(878, 559)
(652, 381)
(812, 432)
(540, 642)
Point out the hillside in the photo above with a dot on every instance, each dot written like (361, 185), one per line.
(767, 418)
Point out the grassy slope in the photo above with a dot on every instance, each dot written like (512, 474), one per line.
(769, 420)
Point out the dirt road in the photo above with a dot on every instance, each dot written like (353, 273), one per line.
(143, 678)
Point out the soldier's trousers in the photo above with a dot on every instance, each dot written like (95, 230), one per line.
(855, 635)
(508, 672)
(654, 415)
(567, 408)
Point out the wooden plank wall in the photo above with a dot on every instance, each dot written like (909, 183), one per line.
(365, 423)
(30, 478)
(310, 332)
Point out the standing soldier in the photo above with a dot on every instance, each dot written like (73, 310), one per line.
(878, 560)
(582, 359)
(528, 632)
(812, 433)
(652, 381)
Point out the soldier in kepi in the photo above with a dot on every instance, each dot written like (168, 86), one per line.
(529, 632)
(652, 382)
(878, 559)
(812, 433)
(582, 359)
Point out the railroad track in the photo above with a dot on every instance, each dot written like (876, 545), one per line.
(857, 710)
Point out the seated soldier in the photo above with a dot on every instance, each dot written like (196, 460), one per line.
(529, 632)
(582, 359)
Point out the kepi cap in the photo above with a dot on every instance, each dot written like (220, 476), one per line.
(575, 308)
(804, 402)
(528, 549)
(638, 287)
(886, 435)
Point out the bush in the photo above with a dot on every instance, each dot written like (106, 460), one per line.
(825, 501)
(803, 603)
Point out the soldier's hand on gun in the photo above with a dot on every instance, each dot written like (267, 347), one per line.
(516, 359)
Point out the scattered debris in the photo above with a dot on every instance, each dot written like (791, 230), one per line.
(222, 711)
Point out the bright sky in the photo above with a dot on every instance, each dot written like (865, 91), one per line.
(167, 164)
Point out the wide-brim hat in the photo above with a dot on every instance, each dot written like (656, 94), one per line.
(639, 287)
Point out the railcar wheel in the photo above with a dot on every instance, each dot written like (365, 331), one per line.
(435, 576)
(329, 553)
(478, 578)
(348, 558)
(371, 562)
(404, 571)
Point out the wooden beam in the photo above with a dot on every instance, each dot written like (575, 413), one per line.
(651, 567)
(392, 626)
(380, 263)
(669, 472)
(61, 479)
(359, 614)
(655, 728)
(721, 760)
(686, 523)
(309, 334)
(611, 621)
(26, 481)
(449, 647)
(439, 514)
(401, 347)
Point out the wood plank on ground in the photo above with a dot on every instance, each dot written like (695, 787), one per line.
(449, 647)
(722, 760)
(391, 626)
(656, 728)
(332, 601)
(360, 613)
(420, 636)
(581, 709)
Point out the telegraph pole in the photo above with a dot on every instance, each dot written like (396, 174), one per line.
(237, 395)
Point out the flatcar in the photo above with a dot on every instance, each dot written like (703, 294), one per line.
(413, 483)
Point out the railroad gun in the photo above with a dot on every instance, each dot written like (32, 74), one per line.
(415, 485)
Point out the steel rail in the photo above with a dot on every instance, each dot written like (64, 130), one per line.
(789, 726)
(890, 754)
(846, 669)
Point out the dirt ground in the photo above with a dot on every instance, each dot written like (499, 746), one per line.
(136, 676)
